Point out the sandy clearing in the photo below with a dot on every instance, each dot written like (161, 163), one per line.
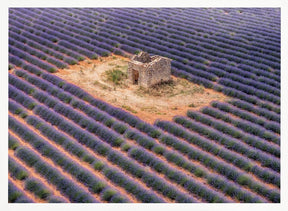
(163, 103)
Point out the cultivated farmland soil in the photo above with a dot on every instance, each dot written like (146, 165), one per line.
(161, 102)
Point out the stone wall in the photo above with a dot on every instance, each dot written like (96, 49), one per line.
(152, 70)
(160, 70)
(137, 66)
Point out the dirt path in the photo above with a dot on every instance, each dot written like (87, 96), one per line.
(20, 185)
(186, 173)
(263, 183)
(51, 163)
(36, 175)
(85, 165)
(162, 102)
(109, 164)
(103, 159)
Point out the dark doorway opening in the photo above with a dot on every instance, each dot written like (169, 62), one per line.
(135, 75)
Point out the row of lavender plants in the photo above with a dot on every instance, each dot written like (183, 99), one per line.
(94, 113)
(36, 39)
(229, 70)
(201, 25)
(76, 149)
(250, 90)
(103, 133)
(262, 112)
(228, 187)
(93, 182)
(121, 115)
(74, 116)
(42, 48)
(156, 133)
(217, 51)
(37, 53)
(202, 15)
(157, 183)
(235, 93)
(229, 171)
(114, 156)
(15, 195)
(213, 148)
(227, 108)
(232, 143)
(35, 186)
(132, 42)
(82, 154)
(173, 22)
(69, 189)
(245, 128)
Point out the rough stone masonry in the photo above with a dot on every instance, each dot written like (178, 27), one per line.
(146, 70)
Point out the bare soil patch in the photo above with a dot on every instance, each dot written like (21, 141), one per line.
(160, 102)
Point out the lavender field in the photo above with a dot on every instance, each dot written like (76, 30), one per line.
(67, 146)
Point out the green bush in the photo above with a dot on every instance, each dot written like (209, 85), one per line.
(88, 159)
(116, 76)
(118, 142)
(158, 150)
(98, 187)
(98, 165)
(21, 175)
(31, 106)
(13, 144)
(125, 147)
(37, 188)
(120, 128)
(109, 122)
(154, 134)
(118, 199)
(199, 172)
(102, 150)
(14, 196)
(108, 194)
(243, 180)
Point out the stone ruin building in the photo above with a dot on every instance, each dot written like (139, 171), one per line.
(146, 70)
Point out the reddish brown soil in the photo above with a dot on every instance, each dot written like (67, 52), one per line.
(149, 104)
(148, 169)
(50, 162)
(267, 185)
(36, 175)
(185, 172)
(130, 196)
(105, 160)
(84, 164)
(20, 184)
